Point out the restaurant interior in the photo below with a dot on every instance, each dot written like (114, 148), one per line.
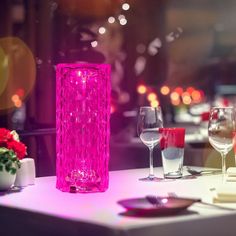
(176, 55)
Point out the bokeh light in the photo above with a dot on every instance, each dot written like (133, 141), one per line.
(18, 103)
(174, 96)
(190, 90)
(141, 89)
(179, 90)
(102, 30)
(94, 44)
(151, 97)
(16, 100)
(196, 96)
(20, 92)
(111, 19)
(154, 103)
(123, 21)
(17, 72)
(165, 90)
(125, 6)
(186, 99)
(113, 109)
(120, 17)
(175, 102)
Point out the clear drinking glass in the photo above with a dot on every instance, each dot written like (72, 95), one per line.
(221, 128)
(149, 121)
(172, 151)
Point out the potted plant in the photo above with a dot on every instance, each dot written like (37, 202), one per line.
(11, 152)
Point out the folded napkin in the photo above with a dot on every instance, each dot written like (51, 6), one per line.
(231, 174)
(225, 193)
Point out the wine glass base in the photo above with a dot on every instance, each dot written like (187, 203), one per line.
(155, 179)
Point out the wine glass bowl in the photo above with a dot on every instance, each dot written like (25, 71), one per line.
(149, 121)
(221, 128)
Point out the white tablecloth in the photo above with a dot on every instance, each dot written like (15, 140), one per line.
(44, 210)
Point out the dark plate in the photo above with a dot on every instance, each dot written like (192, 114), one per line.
(164, 205)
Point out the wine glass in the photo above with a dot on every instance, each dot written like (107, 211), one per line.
(221, 128)
(149, 122)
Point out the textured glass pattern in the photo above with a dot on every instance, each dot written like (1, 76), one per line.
(83, 127)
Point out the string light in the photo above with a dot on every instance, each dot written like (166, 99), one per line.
(102, 30)
(111, 20)
(125, 6)
(120, 17)
(123, 21)
(94, 44)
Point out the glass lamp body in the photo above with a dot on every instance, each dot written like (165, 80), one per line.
(83, 127)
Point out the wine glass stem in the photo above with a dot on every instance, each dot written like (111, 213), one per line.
(151, 173)
(223, 166)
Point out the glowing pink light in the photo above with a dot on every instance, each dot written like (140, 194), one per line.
(83, 132)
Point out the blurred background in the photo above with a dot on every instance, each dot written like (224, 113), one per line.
(180, 55)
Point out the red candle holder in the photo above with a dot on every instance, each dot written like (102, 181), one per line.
(172, 137)
(172, 151)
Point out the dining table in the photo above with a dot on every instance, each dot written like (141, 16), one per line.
(42, 209)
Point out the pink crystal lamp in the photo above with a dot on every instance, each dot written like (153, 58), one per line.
(83, 129)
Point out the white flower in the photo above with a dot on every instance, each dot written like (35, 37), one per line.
(15, 135)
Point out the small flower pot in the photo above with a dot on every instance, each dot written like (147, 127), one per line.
(6, 180)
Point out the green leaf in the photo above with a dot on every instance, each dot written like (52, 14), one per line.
(18, 164)
(5, 160)
(8, 166)
(3, 150)
(1, 168)
(13, 170)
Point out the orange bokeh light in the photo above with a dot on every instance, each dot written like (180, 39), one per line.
(175, 102)
(174, 96)
(186, 99)
(165, 90)
(184, 94)
(15, 98)
(18, 103)
(141, 89)
(151, 97)
(196, 96)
